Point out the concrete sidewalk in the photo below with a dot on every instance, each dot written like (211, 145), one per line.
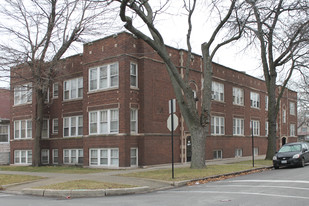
(143, 185)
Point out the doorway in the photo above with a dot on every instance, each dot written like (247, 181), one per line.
(283, 141)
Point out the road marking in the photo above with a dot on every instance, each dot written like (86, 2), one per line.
(241, 193)
(273, 181)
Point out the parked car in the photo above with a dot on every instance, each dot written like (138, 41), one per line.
(292, 154)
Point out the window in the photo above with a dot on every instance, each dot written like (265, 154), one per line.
(255, 100)
(266, 103)
(4, 133)
(238, 96)
(266, 128)
(217, 91)
(55, 126)
(73, 156)
(23, 94)
(103, 77)
(45, 156)
(103, 122)
(217, 154)
(73, 89)
(55, 156)
(133, 120)
(22, 157)
(73, 126)
(22, 129)
(292, 130)
(238, 152)
(134, 157)
(255, 126)
(133, 75)
(256, 151)
(104, 157)
(55, 90)
(238, 126)
(45, 128)
(292, 108)
(217, 125)
(283, 116)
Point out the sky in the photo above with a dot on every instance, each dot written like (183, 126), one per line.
(172, 24)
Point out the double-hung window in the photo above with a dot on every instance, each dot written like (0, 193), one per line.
(255, 100)
(238, 96)
(133, 119)
(4, 134)
(255, 126)
(55, 126)
(104, 121)
(292, 108)
(133, 75)
(266, 103)
(217, 91)
(104, 157)
(73, 126)
(73, 156)
(73, 89)
(292, 130)
(22, 129)
(23, 157)
(55, 90)
(217, 125)
(266, 128)
(45, 129)
(23, 94)
(45, 156)
(103, 77)
(55, 156)
(238, 126)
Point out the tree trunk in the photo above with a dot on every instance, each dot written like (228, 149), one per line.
(198, 137)
(38, 117)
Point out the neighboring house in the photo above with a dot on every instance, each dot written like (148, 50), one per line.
(109, 108)
(4, 126)
(303, 131)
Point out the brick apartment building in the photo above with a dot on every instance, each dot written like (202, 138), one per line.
(109, 108)
(4, 126)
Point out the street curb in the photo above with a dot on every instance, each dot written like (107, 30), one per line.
(84, 193)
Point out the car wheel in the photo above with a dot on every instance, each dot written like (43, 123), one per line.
(276, 167)
(302, 162)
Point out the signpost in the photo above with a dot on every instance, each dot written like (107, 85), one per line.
(172, 124)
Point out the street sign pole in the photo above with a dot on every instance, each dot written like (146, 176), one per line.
(172, 128)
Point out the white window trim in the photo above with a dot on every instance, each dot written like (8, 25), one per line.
(238, 96)
(8, 134)
(19, 125)
(255, 100)
(214, 125)
(135, 131)
(135, 75)
(238, 123)
(20, 157)
(109, 86)
(109, 121)
(217, 152)
(45, 137)
(70, 126)
(109, 157)
(55, 162)
(55, 96)
(217, 89)
(238, 152)
(292, 108)
(292, 130)
(256, 127)
(55, 131)
(70, 156)
(266, 128)
(69, 82)
(266, 103)
(136, 157)
(24, 94)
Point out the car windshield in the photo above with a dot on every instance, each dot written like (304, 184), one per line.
(291, 148)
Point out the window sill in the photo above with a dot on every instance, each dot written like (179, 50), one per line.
(72, 100)
(102, 90)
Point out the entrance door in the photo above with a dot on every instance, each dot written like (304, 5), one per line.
(283, 141)
(189, 148)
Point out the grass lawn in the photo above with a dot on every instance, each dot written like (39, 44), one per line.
(11, 179)
(53, 169)
(188, 174)
(84, 184)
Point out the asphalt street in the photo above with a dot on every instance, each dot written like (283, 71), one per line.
(282, 187)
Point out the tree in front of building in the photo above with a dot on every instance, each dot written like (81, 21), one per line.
(35, 35)
(197, 121)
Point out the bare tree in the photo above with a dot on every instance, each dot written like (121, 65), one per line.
(281, 27)
(38, 33)
(197, 121)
